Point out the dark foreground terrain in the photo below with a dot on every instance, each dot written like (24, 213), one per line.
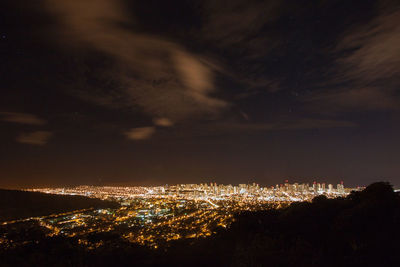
(359, 230)
(16, 204)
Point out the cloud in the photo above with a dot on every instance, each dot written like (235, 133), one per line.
(296, 124)
(228, 23)
(140, 133)
(244, 115)
(241, 30)
(307, 123)
(375, 46)
(356, 98)
(367, 70)
(23, 118)
(163, 122)
(34, 138)
(237, 128)
(158, 75)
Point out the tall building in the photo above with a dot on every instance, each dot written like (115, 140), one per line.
(340, 188)
(330, 188)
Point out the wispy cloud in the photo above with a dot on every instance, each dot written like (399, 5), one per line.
(160, 76)
(237, 28)
(34, 138)
(140, 133)
(355, 98)
(227, 128)
(375, 49)
(237, 22)
(163, 122)
(22, 118)
(367, 70)
(295, 124)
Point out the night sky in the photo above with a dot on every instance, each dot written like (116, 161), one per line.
(118, 92)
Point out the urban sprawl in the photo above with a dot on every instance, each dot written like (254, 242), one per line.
(153, 216)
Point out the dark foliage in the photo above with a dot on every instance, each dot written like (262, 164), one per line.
(16, 204)
(360, 230)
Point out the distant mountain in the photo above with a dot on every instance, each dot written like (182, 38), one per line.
(15, 204)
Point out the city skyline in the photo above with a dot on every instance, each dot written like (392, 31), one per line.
(156, 216)
(100, 183)
(242, 192)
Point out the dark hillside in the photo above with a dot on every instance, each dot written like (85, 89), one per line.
(359, 230)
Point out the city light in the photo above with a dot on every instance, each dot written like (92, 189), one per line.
(154, 216)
